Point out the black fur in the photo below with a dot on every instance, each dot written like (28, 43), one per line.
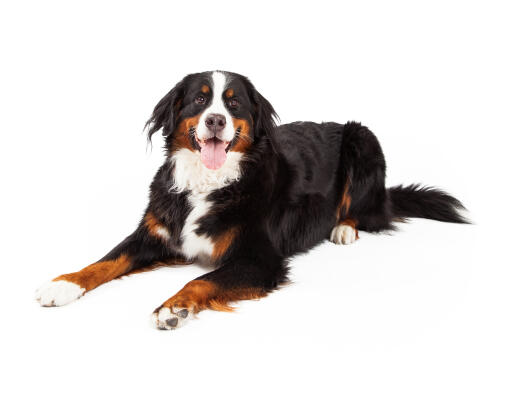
(425, 202)
(298, 182)
(293, 179)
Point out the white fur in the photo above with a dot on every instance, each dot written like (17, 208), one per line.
(217, 106)
(160, 318)
(162, 232)
(343, 234)
(191, 174)
(193, 244)
(57, 293)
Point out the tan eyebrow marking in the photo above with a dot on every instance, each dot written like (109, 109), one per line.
(229, 93)
(205, 89)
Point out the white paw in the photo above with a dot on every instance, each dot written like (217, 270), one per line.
(164, 318)
(344, 234)
(57, 293)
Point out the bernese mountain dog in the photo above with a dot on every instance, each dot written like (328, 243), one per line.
(243, 195)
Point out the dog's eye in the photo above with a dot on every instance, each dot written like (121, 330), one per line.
(200, 100)
(233, 103)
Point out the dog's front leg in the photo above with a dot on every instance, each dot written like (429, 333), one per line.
(140, 251)
(239, 279)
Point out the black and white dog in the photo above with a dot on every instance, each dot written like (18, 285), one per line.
(243, 195)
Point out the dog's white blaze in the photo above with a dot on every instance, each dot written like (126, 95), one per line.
(217, 107)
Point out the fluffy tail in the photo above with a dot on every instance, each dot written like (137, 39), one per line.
(425, 202)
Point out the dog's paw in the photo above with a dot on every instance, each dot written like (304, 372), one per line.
(164, 318)
(57, 293)
(344, 234)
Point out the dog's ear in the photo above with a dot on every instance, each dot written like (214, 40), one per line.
(265, 115)
(264, 122)
(166, 112)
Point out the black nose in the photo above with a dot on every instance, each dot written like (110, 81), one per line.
(215, 122)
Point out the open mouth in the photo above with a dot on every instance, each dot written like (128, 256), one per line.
(213, 152)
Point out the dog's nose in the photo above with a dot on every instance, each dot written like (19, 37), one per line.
(215, 122)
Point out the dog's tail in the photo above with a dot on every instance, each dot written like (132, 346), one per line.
(425, 202)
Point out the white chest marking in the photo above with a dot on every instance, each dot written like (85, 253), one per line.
(192, 176)
(194, 244)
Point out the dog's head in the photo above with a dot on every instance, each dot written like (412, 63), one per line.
(213, 114)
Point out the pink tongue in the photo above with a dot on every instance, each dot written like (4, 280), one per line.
(213, 153)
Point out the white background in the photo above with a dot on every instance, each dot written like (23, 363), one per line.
(416, 319)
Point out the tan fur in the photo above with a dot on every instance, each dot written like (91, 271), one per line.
(181, 139)
(345, 203)
(223, 242)
(343, 209)
(199, 295)
(153, 224)
(168, 263)
(244, 142)
(352, 223)
(98, 273)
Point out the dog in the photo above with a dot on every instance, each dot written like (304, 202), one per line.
(243, 195)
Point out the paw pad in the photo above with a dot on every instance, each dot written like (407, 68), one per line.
(164, 318)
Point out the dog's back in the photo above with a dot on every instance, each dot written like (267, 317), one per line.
(244, 195)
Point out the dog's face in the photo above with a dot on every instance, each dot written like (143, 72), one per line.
(213, 114)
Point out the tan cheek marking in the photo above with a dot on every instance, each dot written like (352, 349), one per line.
(98, 273)
(223, 242)
(181, 134)
(154, 227)
(205, 89)
(229, 93)
(244, 142)
(198, 295)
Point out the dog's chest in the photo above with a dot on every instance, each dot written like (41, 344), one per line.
(198, 182)
(193, 244)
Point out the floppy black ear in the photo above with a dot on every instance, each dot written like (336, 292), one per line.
(265, 115)
(264, 122)
(166, 112)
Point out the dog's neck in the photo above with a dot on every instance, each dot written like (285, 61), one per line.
(190, 174)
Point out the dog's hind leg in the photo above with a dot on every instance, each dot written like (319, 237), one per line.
(363, 202)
